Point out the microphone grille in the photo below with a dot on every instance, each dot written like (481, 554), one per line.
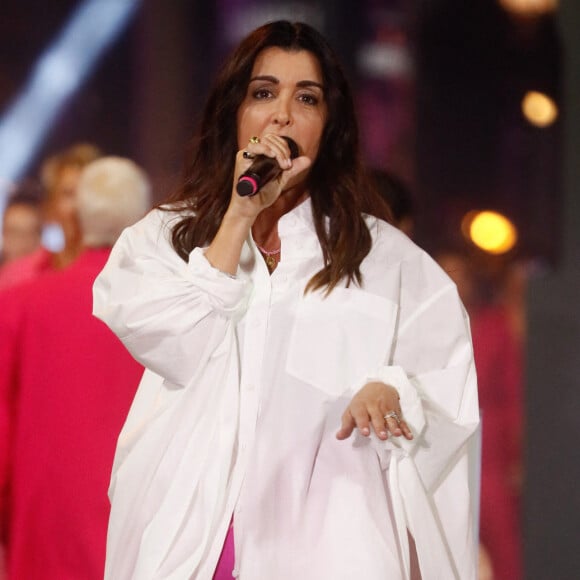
(294, 152)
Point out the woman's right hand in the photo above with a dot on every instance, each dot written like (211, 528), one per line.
(224, 251)
(274, 146)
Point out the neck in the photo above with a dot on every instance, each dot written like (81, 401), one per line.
(265, 228)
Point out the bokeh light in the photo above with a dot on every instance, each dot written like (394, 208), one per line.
(490, 231)
(529, 7)
(539, 109)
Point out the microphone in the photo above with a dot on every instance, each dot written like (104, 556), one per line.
(262, 171)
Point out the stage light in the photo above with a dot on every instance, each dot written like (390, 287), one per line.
(491, 231)
(381, 59)
(529, 7)
(60, 70)
(539, 109)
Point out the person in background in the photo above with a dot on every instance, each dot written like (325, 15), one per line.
(21, 236)
(399, 198)
(59, 176)
(498, 359)
(310, 390)
(21, 223)
(71, 388)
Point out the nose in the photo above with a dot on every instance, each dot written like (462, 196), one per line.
(282, 114)
(282, 119)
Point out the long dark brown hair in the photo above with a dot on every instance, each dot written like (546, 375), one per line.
(337, 183)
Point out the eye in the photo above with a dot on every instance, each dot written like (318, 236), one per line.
(309, 99)
(262, 94)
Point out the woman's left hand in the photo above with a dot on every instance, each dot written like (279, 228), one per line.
(372, 406)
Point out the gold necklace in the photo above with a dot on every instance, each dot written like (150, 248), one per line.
(270, 257)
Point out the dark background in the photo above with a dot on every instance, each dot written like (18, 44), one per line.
(451, 126)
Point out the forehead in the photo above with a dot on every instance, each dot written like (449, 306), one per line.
(280, 63)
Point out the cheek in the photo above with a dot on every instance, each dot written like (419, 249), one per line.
(247, 126)
(313, 138)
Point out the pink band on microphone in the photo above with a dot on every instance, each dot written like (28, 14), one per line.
(253, 183)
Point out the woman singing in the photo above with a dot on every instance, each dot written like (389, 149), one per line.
(310, 391)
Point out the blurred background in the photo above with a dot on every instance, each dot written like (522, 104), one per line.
(442, 87)
(470, 106)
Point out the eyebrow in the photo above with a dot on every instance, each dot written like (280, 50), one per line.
(276, 81)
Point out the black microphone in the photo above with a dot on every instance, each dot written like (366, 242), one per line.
(262, 171)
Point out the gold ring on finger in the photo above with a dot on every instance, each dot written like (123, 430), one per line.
(254, 139)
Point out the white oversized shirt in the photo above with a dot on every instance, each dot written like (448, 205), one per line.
(236, 415)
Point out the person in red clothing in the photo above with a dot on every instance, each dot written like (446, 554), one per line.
(66, 386)
(59, 176)
(498, 360)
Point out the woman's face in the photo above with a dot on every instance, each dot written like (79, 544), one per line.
(285, 96)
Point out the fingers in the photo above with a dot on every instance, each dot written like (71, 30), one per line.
(276, 147)
(393, 421)
(361, 418)
(378, 422)
(358, 416)
(398, 427)
(279, 149)
(293, 175)
(406, 430)
(270, 145)
(364, 418)
(347, 426)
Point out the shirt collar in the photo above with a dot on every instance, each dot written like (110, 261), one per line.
(296, 219)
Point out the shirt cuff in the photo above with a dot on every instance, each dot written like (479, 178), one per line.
(226, 293)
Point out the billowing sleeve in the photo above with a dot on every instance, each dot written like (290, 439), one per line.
(169, 314)
(173, 458)
(432, 366)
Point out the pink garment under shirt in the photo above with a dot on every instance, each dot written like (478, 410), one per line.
(226, 562)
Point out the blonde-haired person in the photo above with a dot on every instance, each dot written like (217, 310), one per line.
(71, 384)
(104, 210)
(60, 174)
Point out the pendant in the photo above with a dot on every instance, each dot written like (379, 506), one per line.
(270, 262)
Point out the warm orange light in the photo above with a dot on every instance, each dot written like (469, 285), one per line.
(492, 232)
(529, 7)
(539, 109)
